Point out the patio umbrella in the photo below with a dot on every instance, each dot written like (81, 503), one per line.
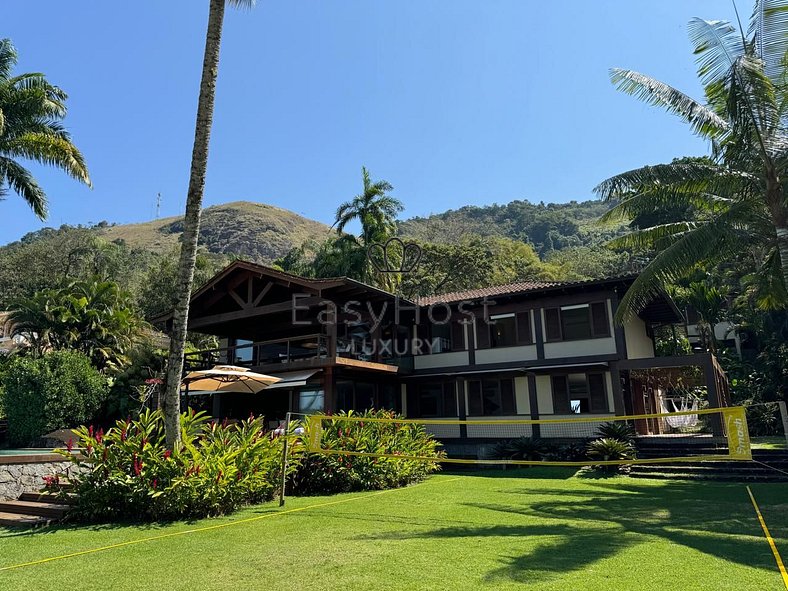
(226, 378)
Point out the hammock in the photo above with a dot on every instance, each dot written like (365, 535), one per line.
(677, 422)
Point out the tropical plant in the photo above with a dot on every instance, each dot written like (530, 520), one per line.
(522, 448)
(607, 450)
(57, 391)
(191, 220)
(128, 472)
(31, 112)
(737, 199)
(374, 208)
(94, 317)
(619, 430)
(322, 473)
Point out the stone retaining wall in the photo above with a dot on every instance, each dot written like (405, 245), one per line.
(27, 476)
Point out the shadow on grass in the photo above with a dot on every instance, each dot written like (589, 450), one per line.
(582, 526)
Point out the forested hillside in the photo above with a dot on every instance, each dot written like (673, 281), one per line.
(546, 226)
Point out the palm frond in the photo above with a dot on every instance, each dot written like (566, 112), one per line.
(704, 121)
(22, 182)
(653, 237)
(708, 243)
(701, 176)
(51, 150)
(768, 26)
(8, 58)
(717, 46)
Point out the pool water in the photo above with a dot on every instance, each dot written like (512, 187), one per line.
(28, 451)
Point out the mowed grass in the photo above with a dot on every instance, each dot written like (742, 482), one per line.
(545, 529)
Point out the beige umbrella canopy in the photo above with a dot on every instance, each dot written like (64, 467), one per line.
(226, 378)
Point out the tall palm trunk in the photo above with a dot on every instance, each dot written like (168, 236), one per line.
(782, 246)
(191, 227)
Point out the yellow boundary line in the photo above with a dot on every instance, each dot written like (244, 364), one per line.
(769, 539)
(598, 419)
(206, 528)
(589, 462)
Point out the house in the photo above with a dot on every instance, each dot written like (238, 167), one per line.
(531, 350)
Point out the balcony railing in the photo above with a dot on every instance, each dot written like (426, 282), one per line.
(293, 349)
(261, 353)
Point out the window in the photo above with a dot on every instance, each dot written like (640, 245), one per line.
(311, 401)
(491, 397)
(433, 400)
(579, 322)
(504, 330)
(441, 338)
(353, 395)
(243, 351)
(579, 393)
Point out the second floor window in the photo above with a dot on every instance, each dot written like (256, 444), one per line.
(574, 323)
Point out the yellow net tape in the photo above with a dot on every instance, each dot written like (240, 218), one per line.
(728, 424)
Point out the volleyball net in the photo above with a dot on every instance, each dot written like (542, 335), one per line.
(718, 434)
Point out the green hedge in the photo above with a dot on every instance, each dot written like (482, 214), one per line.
(127, 473)
(56, 391)
(333, 473)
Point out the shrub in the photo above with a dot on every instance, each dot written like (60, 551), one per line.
(620, 430)
(127, 473)
(607, 449)
(569, 452)
(522, 448)
(58, 390)
(764, 419)
(331, 473)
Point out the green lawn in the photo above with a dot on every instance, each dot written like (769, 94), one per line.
(769, 442)
(541, 528)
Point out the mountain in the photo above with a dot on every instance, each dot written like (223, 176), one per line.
(253, 231)
(547, 226)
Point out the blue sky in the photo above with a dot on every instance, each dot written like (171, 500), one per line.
(454, 102)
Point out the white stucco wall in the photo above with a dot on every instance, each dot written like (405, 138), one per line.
(544, 395)
(504, 354)
(639, 346)
(580, 348)
(449, 359)
(522, 404)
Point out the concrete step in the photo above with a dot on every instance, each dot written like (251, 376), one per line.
(48, 510)
(48, 498)
(22, 520)
(763, 477)
(704, 468)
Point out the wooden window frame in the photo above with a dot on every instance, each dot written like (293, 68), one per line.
(594, 335)
(567, 407)
(499, 393)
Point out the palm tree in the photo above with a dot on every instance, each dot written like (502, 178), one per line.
(31, 111)
(737, 198)
(374, 208)
(191, 225)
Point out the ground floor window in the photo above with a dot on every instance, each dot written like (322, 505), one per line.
(491, 397)
(311, 401)
(432, 399)
(578, 393)
(360, 395)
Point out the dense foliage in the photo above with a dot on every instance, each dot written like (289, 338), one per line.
(128, 472)
(547, 227)
(56, 391)
(322, 473)
(95, 317)
(733, 205)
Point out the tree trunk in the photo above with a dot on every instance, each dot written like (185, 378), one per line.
(782, 246)
(191, 225)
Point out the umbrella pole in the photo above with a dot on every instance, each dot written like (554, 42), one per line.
(284, 460)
